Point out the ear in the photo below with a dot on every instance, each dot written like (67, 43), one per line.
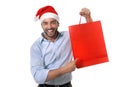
(58, 24)
(41, 25)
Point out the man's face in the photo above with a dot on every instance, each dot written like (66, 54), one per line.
(50, 26)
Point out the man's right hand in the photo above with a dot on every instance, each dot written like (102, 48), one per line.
(69, 67)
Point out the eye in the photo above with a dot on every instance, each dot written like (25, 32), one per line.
(54, 22)
(44, 23)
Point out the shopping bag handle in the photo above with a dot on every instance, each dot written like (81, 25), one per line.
(80, 20)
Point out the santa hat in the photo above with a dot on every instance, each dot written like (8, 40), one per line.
(46, 12)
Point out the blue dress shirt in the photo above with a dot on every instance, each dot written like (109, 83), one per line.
(47, 55)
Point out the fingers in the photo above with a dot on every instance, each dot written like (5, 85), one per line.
(76, 60)
(85, 12)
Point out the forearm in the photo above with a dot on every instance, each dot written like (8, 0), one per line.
(69, 67)
(52, 74)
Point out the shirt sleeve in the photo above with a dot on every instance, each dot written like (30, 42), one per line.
(38, 70)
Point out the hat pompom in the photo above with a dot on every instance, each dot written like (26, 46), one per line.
(35, 18)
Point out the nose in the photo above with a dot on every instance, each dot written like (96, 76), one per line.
(49, 26)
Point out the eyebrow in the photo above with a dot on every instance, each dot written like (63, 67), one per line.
(50, 21)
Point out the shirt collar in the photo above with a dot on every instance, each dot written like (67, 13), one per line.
(60, 34)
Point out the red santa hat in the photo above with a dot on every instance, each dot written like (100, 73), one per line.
(47, 12)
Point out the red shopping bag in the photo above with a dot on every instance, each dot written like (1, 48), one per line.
(88, 44)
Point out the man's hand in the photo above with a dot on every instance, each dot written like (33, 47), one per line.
(69, 67)
(85, 12)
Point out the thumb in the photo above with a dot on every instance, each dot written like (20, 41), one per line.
(76, 60)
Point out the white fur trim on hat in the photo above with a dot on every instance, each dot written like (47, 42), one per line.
(49, 15)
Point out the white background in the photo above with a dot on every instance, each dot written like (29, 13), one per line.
(18, 31)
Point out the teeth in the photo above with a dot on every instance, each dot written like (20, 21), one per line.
(50, 30)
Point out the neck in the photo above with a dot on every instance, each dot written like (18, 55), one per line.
(53, 38)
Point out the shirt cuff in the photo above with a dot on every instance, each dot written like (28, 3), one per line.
(41, 76)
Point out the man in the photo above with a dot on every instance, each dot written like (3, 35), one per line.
(51, 54)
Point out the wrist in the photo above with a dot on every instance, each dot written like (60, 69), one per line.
(88, 18)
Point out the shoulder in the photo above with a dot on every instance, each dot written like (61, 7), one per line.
(65, 33)
(36, 43)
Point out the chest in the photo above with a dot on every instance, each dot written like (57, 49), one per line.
(55, 53)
